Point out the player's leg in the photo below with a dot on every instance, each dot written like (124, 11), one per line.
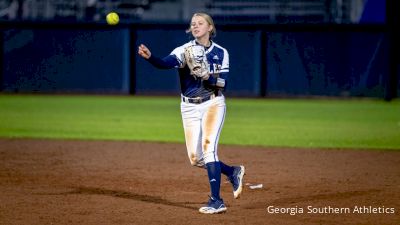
(212, 121)
(191, 120)
(212, 124)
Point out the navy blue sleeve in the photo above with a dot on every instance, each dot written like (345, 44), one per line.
(167, 62)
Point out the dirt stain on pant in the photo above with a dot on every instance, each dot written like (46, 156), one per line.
(193, 159)
(209, 126)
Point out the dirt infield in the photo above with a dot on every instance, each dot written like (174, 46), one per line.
(115, 182)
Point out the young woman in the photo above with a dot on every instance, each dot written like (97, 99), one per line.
(203, 105)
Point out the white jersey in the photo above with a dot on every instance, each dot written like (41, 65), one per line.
(217, 58)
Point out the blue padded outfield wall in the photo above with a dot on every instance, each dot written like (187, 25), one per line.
(262, 62)
(57, 60)
(326, 63)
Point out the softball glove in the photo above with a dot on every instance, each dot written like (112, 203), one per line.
(196, 60)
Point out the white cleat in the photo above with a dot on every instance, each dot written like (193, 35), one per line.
(237, 180)
(213, 206)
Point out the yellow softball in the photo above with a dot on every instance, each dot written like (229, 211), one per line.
(112, 18)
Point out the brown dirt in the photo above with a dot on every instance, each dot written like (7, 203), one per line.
(116, 182)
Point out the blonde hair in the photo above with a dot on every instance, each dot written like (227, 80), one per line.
(209, 20)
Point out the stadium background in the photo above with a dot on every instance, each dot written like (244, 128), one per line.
(289, 48)
(91, 147)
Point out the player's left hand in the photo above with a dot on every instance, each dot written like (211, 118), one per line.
(197, 61)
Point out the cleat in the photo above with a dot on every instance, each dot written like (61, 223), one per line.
(213, 206)
(237, 180)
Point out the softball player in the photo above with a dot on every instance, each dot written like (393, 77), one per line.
(203, 67)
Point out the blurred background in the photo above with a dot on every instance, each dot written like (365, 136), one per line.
(278, 48)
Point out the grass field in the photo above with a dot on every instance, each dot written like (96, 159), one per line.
(322, 123)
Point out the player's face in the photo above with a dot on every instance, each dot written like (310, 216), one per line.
(200, 27)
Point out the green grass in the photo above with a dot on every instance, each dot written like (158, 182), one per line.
(262, 122)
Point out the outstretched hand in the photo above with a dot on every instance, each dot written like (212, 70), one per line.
(144, 51)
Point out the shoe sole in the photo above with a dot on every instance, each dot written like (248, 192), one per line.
(236, 194)
(205, 210)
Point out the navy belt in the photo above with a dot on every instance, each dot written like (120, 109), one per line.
(197, 100)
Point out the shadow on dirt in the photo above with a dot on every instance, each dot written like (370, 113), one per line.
(127, 195)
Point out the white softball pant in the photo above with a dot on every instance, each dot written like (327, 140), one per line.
(202, 124)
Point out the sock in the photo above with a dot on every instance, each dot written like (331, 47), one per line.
(214, 176)
(226, 170)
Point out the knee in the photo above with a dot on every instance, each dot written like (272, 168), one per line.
(198, 164)
(194, 161)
